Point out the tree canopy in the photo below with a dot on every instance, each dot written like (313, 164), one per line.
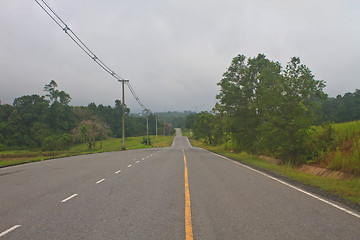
(50, 123)
(263, 108)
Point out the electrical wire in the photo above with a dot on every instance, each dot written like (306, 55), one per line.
(55, 17)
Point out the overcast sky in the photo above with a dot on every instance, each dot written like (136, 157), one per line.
(173, 51)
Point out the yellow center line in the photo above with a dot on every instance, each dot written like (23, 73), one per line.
(188, 225)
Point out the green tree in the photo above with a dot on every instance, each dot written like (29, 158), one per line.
(27, 111)
(203, 126)
(90, 131)
(267, 109)
(239, 97)
(55, 94)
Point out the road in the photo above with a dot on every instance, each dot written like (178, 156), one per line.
(141, 194)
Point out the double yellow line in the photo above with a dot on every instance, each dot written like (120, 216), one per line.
(188, 224)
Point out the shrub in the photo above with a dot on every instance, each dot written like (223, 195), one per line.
(144, 141)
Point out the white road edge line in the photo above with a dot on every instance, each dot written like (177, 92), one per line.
(67, 199)
(130, 165)
(188, 141)
(100, 181)
(9, 230)
(117, 171)
(292, 186)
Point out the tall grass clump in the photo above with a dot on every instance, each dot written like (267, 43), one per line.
(337, 146)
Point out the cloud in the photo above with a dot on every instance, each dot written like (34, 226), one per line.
(174, 52)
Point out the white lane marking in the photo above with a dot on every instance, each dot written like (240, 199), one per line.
(188, 141)
(293, 187)
(137, 161)
(130, 165)
(9, 230)
(100, 181)
(117, 171)
(147, 156)
(67, 199)
(143, 159)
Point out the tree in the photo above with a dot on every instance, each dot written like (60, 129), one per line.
(54, 94)
(239, 98)
(269, 110)
(203, 126)
(297, 108)
(27, 111)
(5, 113)
(90, 131)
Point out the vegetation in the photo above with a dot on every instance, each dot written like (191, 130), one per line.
(342, 108)
(337, 146)
(177, 119)
(49, 123)
(263, 108)
(14, 157)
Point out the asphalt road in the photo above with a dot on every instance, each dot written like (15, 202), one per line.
(140, 194)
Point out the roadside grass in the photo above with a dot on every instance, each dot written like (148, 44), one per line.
(345, 155)
(347, 189)
(15, 157)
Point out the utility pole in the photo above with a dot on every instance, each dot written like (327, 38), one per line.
(147, 126)
(123, 111)
(164, 128)
(156, 127)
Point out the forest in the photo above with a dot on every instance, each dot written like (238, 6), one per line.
(49, 123)
(266, 109)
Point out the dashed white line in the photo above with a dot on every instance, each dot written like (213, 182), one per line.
(117, 171)
(67, 199)
(100, 181)
(137, 161)
(143, 159)
(130, 165)
(9, 230)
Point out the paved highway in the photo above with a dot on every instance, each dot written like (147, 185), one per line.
(178, 192)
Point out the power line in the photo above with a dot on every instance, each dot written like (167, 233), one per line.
(55, 17)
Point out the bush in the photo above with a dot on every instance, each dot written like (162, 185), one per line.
(57, 142)
(144, 141)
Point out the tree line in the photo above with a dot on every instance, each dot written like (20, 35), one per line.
(50, 123)
(342, 108)
(264, 108)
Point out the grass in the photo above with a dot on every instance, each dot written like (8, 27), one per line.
(348, 189)
(345, 154)
(15, 157)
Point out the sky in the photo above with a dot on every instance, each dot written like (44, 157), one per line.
(174, 52)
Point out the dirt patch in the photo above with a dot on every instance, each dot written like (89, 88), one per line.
(315, 170)
(323, 172)
(270, 159)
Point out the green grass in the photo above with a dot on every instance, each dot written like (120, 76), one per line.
(348, 189)
(15, 157)
(345, 155)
